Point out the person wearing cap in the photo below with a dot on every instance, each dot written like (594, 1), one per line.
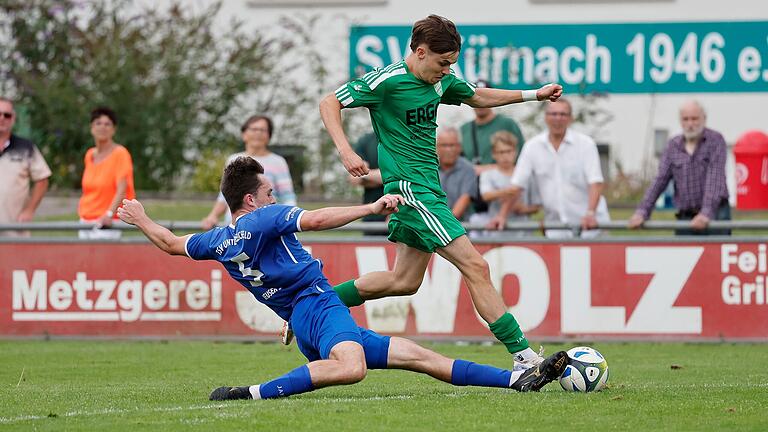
(476, 134)
(695, 160)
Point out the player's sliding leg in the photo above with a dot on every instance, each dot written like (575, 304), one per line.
(346, 365)
(328, 337)
(406, 354)
(488, 302)
(404, 279)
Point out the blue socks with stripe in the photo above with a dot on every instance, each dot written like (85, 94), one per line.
(294, 382)
(468, 373)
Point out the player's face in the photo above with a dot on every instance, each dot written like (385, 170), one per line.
(434, 66)
(102, 129)
(264, 195)
(558, 117)
(256, 135)
(6, 121)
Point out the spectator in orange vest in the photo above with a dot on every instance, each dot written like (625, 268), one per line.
(107, 178)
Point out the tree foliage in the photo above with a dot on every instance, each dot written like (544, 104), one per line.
(173, 78)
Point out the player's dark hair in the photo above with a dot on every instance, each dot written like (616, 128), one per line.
(104, 111)
(253, 119)
(241, 177)
(438, 33)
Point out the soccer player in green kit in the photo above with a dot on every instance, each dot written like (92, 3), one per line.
(403, 99)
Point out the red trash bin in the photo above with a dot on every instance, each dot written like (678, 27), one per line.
(751, 153)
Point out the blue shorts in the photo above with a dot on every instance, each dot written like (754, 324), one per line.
(321, 321)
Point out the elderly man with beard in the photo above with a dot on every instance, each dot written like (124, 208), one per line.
(695, 160)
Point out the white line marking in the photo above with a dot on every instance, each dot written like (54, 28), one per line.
(8, 420)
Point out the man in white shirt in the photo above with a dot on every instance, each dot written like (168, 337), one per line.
(566, 168)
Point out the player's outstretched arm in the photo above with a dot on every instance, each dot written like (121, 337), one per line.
(330, 112)
(489, 98)
(334, 217)
(132, 212)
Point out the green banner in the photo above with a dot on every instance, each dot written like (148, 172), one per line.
(712, 57)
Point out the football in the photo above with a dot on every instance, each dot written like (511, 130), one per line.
(587, 370)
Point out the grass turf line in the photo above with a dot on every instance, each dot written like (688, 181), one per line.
(117, 385)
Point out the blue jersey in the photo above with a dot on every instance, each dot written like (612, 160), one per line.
(261, 252)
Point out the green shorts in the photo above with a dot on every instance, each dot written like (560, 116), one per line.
(425, 222)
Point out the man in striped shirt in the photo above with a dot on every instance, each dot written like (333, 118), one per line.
(403, 99)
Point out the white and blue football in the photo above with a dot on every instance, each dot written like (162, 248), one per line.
(587, 370)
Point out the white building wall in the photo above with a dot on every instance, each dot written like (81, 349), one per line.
(635, 117)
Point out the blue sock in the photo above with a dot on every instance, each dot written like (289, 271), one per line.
(294, 382)
(468, 373)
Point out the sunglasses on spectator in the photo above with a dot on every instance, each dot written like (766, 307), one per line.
(8, 115)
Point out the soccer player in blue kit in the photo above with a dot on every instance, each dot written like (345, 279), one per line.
(260, 250)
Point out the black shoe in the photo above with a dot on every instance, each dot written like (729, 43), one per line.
(536, 377)
(230, 393)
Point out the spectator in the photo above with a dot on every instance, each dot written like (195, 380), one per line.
(695, 160)
(494, 181)
(457, 176)
(256, 133)
(20, 163)
(107, 177)
(566, 168)
(476, 134)
(373, 187)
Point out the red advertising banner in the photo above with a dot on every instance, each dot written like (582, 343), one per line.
(617, 290)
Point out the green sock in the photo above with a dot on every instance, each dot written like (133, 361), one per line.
(348, 293)
(507, 330)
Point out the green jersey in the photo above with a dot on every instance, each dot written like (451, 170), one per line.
(480, 138)
(403, 112)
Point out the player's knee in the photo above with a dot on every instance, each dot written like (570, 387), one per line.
(477, 267)
(354, 372)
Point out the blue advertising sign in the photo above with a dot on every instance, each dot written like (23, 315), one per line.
(613, 58)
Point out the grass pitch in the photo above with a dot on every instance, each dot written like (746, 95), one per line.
(118, 385)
